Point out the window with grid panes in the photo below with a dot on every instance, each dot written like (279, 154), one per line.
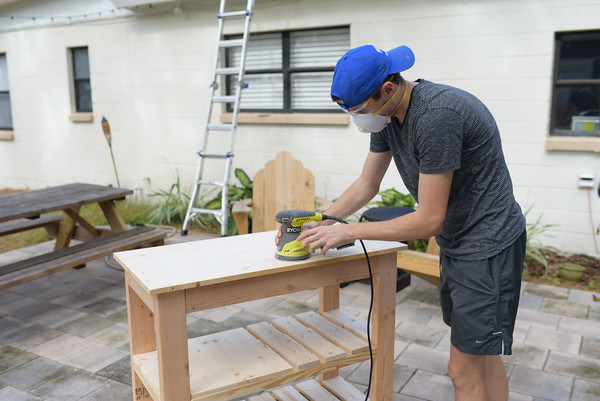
(576, 91)
(81, 78)
(5, 112)
(289, 71)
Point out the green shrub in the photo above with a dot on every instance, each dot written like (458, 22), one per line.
(392, 197)
(536, 252)
(172, 206)
(235, 194)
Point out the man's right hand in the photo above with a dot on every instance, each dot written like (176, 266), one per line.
(278, 235)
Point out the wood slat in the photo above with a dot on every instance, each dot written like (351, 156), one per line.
(298, 356)
(334, 389)
(36, 202)
(262, 397)
(288, 394)
(334, 333)
(72, 259)
(240, 358)
(62, 253)
(348, 322)
(270, 196)
(312, 390)
(11, 227)
(258, 201)
(309, 338)
(343, 390)
(421, 265)
(284, 184)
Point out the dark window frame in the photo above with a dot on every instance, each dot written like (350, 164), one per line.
(557, 83)
(7, 92)
(285, 70)
(78, 80)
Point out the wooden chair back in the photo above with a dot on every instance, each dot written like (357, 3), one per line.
(432, 247)
(425, 265)
(284, 183)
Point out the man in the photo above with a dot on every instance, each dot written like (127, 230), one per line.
(446, 146)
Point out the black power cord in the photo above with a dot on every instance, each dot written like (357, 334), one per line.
(324, 216)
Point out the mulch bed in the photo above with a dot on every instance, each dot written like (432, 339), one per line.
(536, 272)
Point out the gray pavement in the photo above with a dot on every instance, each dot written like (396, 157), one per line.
(65, 337)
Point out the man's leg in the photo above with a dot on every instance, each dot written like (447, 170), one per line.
(496, 381)
(477, 377)
(468, 375)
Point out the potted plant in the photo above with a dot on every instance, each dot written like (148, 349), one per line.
(571, 271)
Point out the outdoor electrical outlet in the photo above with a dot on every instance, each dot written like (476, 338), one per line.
(586, 180)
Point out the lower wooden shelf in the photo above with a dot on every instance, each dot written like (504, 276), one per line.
(239, 362)
(335, 389)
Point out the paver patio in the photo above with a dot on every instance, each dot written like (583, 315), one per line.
(65, 337)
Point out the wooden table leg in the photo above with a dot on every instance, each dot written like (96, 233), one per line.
(113, 216)
(384, 308)
(329, 299)
(172, 346)
(66, 229)
(82, 222)
(141, 335)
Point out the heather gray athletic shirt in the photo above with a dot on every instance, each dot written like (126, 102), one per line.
(447, 129)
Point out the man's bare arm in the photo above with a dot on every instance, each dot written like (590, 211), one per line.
(364, 188)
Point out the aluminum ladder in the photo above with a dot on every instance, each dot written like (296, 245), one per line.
(221, 215)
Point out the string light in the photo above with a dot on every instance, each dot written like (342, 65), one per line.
(68, 19)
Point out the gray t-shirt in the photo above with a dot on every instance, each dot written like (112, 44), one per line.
(447, 129)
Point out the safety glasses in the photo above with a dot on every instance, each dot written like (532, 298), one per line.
(363, 108)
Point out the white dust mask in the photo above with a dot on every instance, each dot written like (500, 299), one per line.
(374, 122)
(371, 122)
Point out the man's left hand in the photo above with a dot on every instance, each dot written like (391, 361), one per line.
(326, 237)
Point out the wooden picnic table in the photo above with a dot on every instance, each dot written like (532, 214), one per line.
(32, 209)
(164, 284)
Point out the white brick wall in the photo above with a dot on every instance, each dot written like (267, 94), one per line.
(150, 76)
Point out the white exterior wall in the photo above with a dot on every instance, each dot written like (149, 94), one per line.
(150, 76)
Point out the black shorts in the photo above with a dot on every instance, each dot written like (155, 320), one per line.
(479, 299)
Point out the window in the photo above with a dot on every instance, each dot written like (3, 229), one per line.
(576, 91)
(81, 79)
(5, 113)
(289, 71)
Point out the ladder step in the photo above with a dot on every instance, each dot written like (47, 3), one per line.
(224, 99)
(209, 182)
(215, 212)
(215, 155)
(231, 43)
(220, 127)
(227, 71)
(234, 14)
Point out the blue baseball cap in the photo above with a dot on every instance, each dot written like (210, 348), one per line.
(363, 69)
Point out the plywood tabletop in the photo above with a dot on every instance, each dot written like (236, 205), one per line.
(206, 262)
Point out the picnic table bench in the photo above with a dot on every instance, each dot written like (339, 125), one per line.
(34, 209)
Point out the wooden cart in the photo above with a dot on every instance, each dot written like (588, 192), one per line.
(163, 284)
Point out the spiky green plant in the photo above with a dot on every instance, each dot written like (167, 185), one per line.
(172, 206)
(536, 251)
